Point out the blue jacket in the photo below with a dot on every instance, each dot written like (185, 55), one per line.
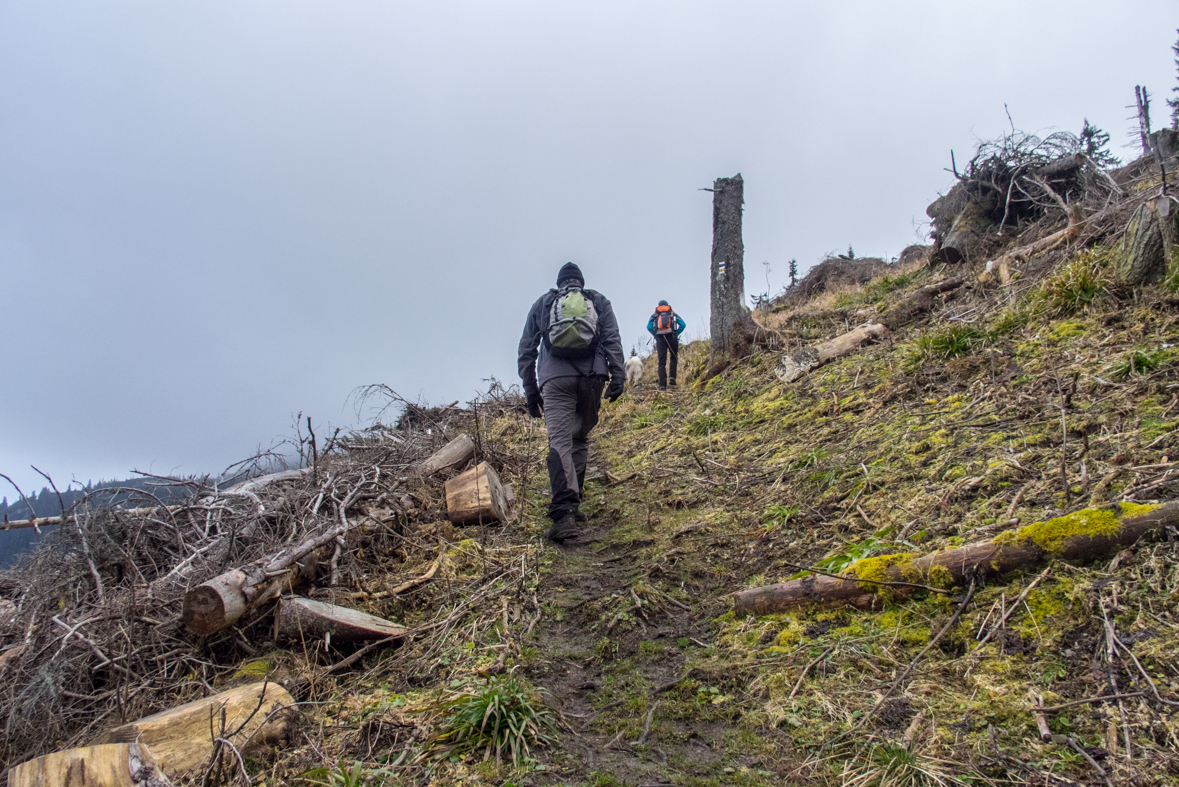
(679, 325)
(538, 367)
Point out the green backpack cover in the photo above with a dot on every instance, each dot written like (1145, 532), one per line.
(572, 330)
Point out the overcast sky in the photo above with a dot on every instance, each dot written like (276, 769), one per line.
(214, 215)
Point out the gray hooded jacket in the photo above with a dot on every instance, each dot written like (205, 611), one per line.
(538, 367)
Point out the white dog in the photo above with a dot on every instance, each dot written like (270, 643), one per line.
(634, 370)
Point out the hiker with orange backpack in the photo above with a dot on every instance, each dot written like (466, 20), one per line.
(666, 326)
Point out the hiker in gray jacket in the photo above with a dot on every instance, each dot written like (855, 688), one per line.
(569, 349)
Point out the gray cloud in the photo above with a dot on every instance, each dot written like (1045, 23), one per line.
(216, 216)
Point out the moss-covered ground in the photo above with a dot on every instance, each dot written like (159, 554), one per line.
(1005, 407)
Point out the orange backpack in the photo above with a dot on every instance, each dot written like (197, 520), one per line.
(664, 320)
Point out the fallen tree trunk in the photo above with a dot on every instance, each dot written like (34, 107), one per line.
(477, 496)
(454, 454)
(181, 738)
(47, 521)
(109, 765)
(918, 303)
(1078, 537)
(301, 619)
(796, 364)
(1001, 268)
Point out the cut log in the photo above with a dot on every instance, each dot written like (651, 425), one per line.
(110, 765)
(262, 481)
(222, 600)
(796, 364)
(476, 497)
(301, 619)
(181, 738)
(1078, 537)
(454, 454)
(48, 521)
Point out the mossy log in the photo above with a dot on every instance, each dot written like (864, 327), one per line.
(109, 765)
(181, 738)
(796, 364)
(300, 619)
(1077, 537)
(1142, 259)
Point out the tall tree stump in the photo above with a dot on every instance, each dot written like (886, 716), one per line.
(730, 324)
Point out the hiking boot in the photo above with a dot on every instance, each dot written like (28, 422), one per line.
(662, 387)
(564, 528)
(579, 517)
(671, 382)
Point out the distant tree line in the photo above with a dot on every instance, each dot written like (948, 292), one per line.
(45, 503)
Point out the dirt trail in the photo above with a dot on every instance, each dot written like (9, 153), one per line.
(614, 655)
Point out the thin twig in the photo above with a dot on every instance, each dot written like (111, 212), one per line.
(913, 664)
(1088, 700)
(1011, 611)
(646, 726)
(807, 669)
(1077, 748)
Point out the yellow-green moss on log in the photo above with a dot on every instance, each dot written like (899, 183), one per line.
(1080, 536)
(1051, 535)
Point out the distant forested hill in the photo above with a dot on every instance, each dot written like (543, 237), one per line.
(129, 492)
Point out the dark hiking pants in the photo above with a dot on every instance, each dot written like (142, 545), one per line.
(667, 344)
(570, 412)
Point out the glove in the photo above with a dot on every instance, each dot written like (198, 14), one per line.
(614, 390)
(535, 404)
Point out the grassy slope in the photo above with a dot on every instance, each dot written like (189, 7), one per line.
(733, 482)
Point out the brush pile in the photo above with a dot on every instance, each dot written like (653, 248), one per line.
(92, 633)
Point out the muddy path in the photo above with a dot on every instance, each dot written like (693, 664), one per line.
(618, 649)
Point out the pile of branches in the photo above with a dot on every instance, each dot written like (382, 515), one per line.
(94, 635)
(1020, 182)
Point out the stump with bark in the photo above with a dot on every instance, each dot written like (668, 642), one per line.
(180, 737)
(730, 324)
(1143, 258)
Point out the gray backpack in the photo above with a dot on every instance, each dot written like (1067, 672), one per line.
(572, 325)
